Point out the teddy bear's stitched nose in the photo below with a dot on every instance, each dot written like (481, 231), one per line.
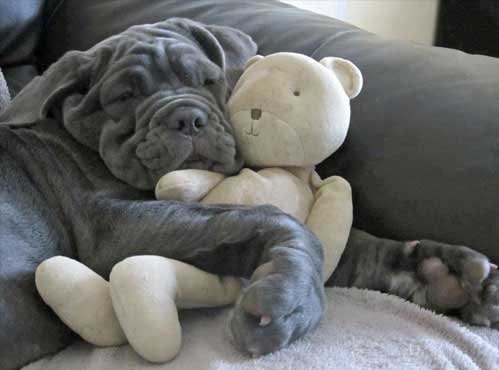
(256, 113)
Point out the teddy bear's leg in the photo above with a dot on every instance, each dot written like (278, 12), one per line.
(81, 299)
(197, 288)
(331, 219)
(143, 291)
(146, 291)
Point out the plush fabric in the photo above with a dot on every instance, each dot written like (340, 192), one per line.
(361, 330)
(4, 93)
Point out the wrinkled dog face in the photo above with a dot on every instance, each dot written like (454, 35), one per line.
(171, 97)
(152, 99)
(172, 103)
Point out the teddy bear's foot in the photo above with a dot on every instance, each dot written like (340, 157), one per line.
(146, 291)
(81, 299)
(143, 289)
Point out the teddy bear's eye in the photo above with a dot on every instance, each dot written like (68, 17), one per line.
(296, 93)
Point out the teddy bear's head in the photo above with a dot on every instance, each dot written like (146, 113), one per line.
(289, 110)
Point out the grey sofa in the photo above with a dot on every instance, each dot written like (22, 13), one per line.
(423, 150)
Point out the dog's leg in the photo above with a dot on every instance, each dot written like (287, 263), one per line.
(30, 232)
(445, 278)
(285, 298)
(28, 328)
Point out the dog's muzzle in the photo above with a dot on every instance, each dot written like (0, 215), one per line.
(186, 112)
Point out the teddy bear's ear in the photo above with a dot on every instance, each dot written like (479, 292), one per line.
(347, 72)
(252, 61)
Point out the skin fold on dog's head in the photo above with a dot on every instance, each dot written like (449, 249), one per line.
(150, 100)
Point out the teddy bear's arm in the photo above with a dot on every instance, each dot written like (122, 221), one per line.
(331, 218)
(187, 185)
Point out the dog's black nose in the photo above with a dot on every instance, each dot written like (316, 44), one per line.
(188, 120)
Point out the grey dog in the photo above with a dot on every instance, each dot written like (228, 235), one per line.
(81, 148)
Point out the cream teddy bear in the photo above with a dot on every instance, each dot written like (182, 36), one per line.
(289, 113)
(287, 110)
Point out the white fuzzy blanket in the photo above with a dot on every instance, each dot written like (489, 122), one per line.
(4, 93)
(361, 330)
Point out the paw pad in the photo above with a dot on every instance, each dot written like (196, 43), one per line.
(433, 269)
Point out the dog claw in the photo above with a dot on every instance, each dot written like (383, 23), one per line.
(265, 320)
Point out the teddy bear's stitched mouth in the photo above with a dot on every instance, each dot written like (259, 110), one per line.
(252, 131)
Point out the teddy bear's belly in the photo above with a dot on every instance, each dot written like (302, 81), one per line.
(273, 186)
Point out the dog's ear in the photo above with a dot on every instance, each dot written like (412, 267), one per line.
(228, 47)
(70, 74)
(238, 48)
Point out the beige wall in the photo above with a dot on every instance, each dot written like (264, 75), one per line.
(407, 19)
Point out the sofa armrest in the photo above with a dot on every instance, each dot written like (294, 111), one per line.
(422, 154)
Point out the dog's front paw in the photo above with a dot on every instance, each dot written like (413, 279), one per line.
(270, 314)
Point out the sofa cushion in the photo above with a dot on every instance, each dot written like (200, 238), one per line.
(423, 151)
(18, 76)
(20, 26)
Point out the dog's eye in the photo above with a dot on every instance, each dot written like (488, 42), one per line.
(125, 96)
(209, 82)
(296, 93)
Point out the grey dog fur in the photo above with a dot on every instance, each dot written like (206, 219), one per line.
(81, 148)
